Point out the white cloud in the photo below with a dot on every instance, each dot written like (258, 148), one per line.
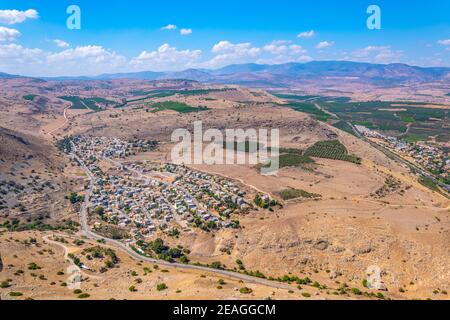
(277, 49)
(444, 42)
(16, 16)
(306, 34)
(226, 47)
(83, 60)
(324, 44)
(378, 54)
(61, 43)
(282, 53)
(185, 32)
(19, 60)
(281, 42)
(86, 60)
(229, 53)
(166, 58)
(7, 34)
(169, 27)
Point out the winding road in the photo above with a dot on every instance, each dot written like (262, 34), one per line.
(50, 133)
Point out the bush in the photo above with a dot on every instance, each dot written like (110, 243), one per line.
(16, 294)
(84, 296)
(132, 289)
(365, 283)
(216, 265)
(245, 290)
(77, 291)
(356, 291)
(306, 295)
(99, 211)
(161, 287)
(33, 266)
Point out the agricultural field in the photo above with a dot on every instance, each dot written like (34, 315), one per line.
(87, 103)
(291, 193)
(30, 97)
(344, 126)
(333, 150)
(175, 106)
(400, 119)
(169, 93)
(308, 108)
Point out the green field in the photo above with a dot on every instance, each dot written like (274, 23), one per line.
(375, 115)
(407, 118)
(175, 106)
(388, 116)
(294, 97)
(294, 160)
(413, 138)
(168, 93)
(308, 108)
(344, 126)
(333, 150)
(379, 115)
(247, 146)
(291, 193)
(86, 103)
(429, 183)
(30, 97)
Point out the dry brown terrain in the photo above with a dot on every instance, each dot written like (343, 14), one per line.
(52, 278)
(333, 240)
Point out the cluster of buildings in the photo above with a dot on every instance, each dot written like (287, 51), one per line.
(147, 197)
(433, 159)
(109, 147)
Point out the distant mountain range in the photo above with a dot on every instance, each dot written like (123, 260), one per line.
(7, 76)
(290, 73)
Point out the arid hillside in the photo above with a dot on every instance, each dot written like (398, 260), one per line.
(337, 217)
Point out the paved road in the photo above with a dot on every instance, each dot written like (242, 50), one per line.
(94, 236)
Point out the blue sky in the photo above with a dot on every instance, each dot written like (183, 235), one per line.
(121, 36)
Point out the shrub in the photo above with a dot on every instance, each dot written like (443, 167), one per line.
(245, 290)
(356, 291)
(33, 266)
(365, 283)
(16, 294)
(216, 265)
(161, 287)
(84, 296)
(132, 289)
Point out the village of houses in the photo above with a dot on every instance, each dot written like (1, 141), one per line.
(145, 197)
(433, 159)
